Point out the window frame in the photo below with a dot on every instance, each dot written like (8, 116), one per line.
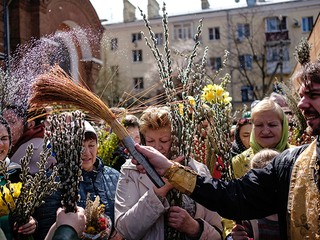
(159, 38)
(273, 54)
(137, 55)
(114, 44)
(247, 60)
(273, 24)
(136, 37)
(243, 30)
(214, 33)
(307, 24)
(138, 83)
(215, 63)
(183, 31)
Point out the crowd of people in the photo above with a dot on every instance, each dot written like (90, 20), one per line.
(276, 185)
(288, 186)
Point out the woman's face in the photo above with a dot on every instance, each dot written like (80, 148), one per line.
(135, 134)
(89, 154)
(16, 124)
(159, 139)
(4, 142)
(244, 134)
(267, 129)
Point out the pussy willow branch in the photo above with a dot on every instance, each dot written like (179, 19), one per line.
(66, 140)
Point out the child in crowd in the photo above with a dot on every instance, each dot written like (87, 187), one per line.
(264, 228)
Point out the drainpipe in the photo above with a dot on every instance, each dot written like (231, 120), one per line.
(6, 34)
(229, 39)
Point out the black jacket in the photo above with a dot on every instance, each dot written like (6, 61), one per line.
(259, 193)
(101, 182)
(65, 232)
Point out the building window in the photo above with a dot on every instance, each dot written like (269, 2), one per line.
(243, 30)
(214, 33)
(247, 93)
(274, 53)
(159, 38)
(245, 61)
(138, 83)
(215, 63)
(182, 31)
(307, 24)
(137, 55)
(114, 44)
(114, 70)
(274, 24)
(136, 37)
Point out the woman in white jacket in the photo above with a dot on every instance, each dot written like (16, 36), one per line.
(142, 211)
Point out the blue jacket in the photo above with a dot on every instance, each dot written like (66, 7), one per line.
(101, 182)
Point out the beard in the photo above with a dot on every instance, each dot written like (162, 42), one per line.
(313, 131)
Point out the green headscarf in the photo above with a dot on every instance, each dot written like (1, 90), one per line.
(282, 145)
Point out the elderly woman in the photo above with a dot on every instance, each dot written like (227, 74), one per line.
(269, 130)
(142, 211)
(14, 171)
(98, 180)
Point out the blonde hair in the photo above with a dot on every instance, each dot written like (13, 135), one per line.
(154, 118)
(267, 105)
(263, 157)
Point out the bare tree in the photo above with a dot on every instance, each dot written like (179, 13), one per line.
(248, 44)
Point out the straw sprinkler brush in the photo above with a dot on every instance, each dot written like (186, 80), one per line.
(56, 87)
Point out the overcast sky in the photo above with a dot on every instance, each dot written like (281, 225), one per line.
(112, 10)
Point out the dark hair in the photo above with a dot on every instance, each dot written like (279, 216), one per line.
(20, 111)
(4, 122)
(90, 136)
(308, 74)
(37, 115)
(131, 121)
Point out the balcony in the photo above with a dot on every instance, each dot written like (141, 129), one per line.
(277, 36)
(272, 66)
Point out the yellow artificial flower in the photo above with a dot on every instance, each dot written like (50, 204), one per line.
(16, 187)
(8, 198)
(90, 230)
(215, 94)
(191, 100)
(226, 98)
(219, 91)
(181, 109)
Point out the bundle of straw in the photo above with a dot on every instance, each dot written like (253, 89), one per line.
(56, 87)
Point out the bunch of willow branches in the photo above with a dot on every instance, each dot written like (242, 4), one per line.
(33, 189)
(183, 123)
(188, 109)
(66, 139)
(298, 130)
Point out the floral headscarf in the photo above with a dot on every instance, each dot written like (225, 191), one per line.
(282, 144)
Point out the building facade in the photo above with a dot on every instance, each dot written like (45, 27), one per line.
(260, 38)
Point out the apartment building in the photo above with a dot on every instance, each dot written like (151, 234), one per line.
(261, 38)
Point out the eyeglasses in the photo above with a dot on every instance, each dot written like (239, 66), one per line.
(244, 121)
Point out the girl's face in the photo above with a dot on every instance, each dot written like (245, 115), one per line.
(159, 139)
(267, 129)
(244, 134)
(4, 142)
